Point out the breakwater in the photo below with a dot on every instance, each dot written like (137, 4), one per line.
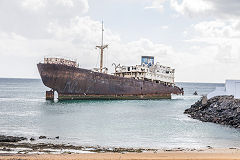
(223, 110)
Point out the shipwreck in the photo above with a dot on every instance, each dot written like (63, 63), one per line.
(148, 80)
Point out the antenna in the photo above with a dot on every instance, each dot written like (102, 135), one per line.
(102, 47)
(102, 33)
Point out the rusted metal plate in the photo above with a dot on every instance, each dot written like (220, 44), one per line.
(73, 81)
(113, 97)
(49, 95)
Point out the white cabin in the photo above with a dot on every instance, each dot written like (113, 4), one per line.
(147, 71)
(232, 87)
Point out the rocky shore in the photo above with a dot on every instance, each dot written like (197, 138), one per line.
(23, 145)
(223, 110)
(10, 145)
(25, 149)
(11, 138)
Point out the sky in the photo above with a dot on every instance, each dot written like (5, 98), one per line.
(199, 38)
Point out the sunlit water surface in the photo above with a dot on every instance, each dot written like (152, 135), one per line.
(145, 123)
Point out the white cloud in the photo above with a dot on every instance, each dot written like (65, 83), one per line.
(84, 34)
(215, 39)
(31, 17)
(77, 40)
(219, 28)
(68, 3)
(214, 8)
(223, 37)
(39, 4)
(34, 4)
(156, 4)
(80, 28)
(191, 8)
(164, 27)
(60, 28)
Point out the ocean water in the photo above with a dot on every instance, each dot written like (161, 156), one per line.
(129, 123)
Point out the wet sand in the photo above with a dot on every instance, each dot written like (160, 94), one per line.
(207, 154)
(130, 156)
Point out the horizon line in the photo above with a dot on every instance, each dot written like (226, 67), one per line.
(40, 79)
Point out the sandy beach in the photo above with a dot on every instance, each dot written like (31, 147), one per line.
(215, 155)
(205, 154)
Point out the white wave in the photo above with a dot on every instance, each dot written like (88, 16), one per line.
(186, 97)
(14, 99)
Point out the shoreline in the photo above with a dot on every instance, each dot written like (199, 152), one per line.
(44, 144)
(23, 145)
(19, 148)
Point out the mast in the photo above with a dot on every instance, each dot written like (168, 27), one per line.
(102, 47)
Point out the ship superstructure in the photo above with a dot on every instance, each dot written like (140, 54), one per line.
(147, 71)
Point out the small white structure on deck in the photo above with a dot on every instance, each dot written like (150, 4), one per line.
(232, 87)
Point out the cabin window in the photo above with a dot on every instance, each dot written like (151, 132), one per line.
(128, 68)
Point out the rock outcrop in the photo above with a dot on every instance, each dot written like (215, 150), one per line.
(42, 137)
(11, 138)
(223, 110)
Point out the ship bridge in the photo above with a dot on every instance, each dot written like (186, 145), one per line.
(147, 71)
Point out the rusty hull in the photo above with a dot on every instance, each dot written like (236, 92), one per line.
(78, 83)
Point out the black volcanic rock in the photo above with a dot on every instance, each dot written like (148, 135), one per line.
(223, 110)
(32, 139)
(42, 137)
(11, 138)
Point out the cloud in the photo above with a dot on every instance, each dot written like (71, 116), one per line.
(84, 34)
(77, 40)
(33, 5)
(215, 35)
(40, 4)
(32, 17)
(223, 36)
(219, 28)
(156, 4)
(164, 27)
(214, 8)
(61, 28)
(80, 28)
(191, 8)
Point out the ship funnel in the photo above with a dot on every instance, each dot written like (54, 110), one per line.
(147, 60)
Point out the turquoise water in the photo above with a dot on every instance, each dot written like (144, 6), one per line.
(146, 123)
